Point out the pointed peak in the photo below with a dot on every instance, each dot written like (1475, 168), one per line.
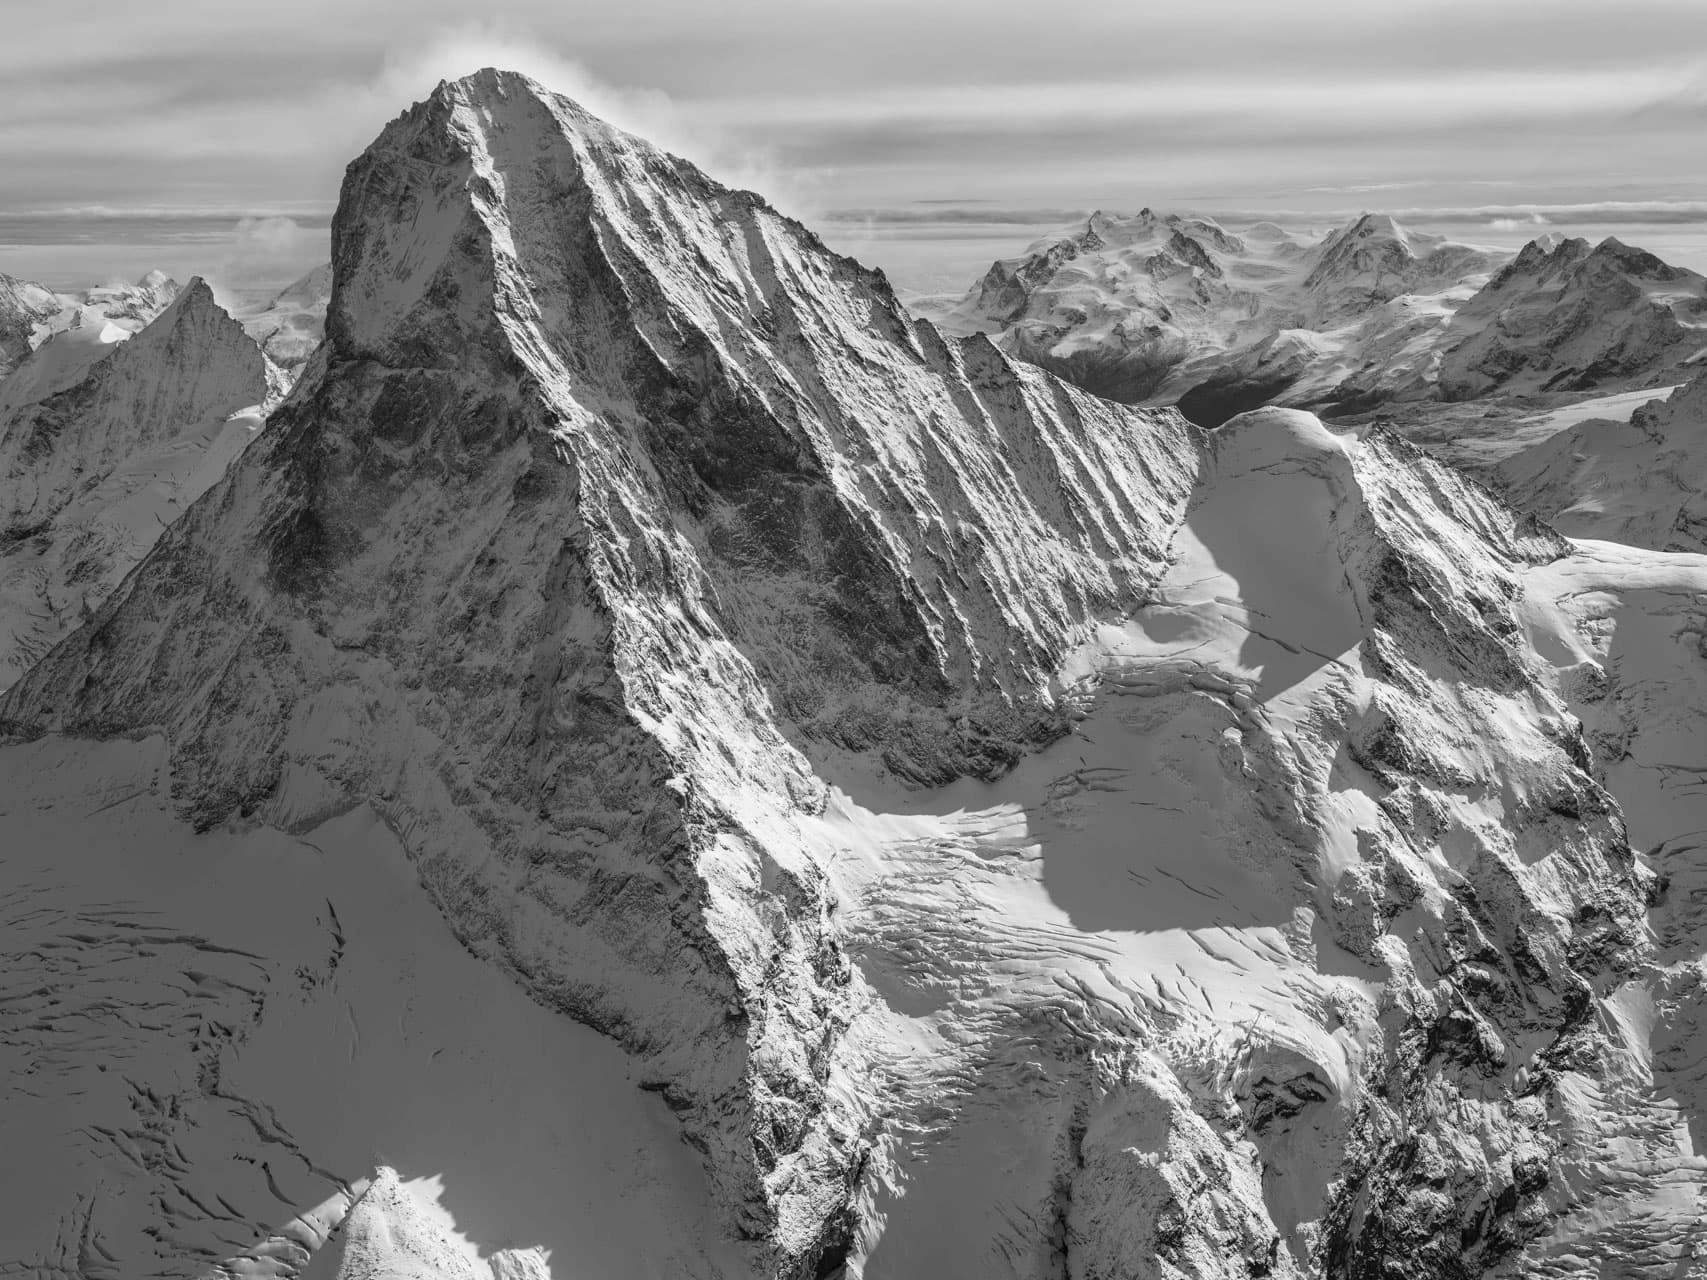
(1368, 224)
(496, 90)
(196, 296)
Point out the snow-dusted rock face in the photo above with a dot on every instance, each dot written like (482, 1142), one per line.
(133, 305)
(23, 306)
(1569, 318)
(97, 456)
(1620, 630)
(49, 340)
(607, 481)
(1164, 308)
(1373, 260)
(1015, 835)
(290, 326)
(1641, 481)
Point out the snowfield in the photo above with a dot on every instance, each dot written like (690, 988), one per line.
(216, 1043)
(657, 762)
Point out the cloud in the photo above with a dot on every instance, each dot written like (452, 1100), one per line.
(1418, 99)
(451, 52)
(262, 251)
(274, 235)
(1519, 224)
(1515, 217)
(166, 109)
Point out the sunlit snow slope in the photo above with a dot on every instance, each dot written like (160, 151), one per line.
(1011, 834)
(1640, 481)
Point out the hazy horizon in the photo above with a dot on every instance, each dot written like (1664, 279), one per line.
(134, 138)
(258, 255)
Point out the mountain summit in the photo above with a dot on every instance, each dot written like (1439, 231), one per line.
(1012, 833)
(611, 492)
(98, 451)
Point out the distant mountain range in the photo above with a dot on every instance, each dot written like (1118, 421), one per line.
(1169, 309)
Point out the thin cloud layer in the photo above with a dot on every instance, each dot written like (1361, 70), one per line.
(203, 106)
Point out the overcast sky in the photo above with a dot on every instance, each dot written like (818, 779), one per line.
(983, 105)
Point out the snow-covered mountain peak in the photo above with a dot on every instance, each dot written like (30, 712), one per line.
(1169, 308)
(1271, 438)
(103, 438)
(613, 492)
(136, 303)
(1641, 481)
(1013, 833)
(23, 306)
(1566, 316)
(1373, 259)
(1638, 263)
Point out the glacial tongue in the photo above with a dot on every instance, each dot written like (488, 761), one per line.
(1014, 834)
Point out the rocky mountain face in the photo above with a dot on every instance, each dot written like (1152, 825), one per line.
(1639, 481)
(48, 339)
(1373, 260)
(1568, 317)
(1011, 833)
(23, 306)
(96, 458)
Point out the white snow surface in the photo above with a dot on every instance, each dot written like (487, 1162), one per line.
(32, 314)
(1640, 479)
(215, 1043)
(1011, 834)
(1622, 632)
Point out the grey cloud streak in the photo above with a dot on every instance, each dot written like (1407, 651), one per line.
(197, 105)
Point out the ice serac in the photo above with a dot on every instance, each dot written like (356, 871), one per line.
(95, 459)
(609, 493)
(1016, 835)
